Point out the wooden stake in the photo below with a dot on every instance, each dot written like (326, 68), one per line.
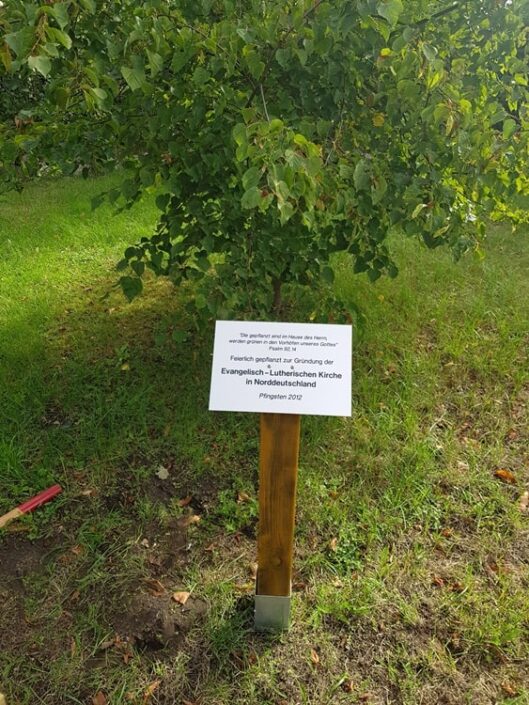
(30, 505)
(278, 470)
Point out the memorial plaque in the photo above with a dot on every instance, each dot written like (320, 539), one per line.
(282, 370)
(285, 368)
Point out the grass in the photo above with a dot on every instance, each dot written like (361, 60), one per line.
(411, 556)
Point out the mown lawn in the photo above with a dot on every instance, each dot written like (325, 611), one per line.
(412, 555)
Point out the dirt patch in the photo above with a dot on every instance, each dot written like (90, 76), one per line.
(156, 622)
(20, 558)
(166, 548)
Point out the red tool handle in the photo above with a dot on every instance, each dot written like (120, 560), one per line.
(39, 499)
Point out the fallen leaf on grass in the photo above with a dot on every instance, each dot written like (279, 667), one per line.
(88, 493)
(154, 586)
(505, 476)
(125, 367)
(509, 689)
(253, 567)
(314, 657)
(348, 685)
(438, 581)
(162, 472)
(333, 544)
(189, 520)
(185, 501)
(181, 597)
(150, 690)
(524, 502)
(99, 698)
(76, 550)
(243, 497)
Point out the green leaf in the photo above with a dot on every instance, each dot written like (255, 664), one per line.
(20, 42)
(100, 95)
(135, 77)
(42, 64)
(97, 201)
(179, 336)
(283, 57)
(88, 5)
(5, 56)
(203, 263)
(200, 76)
(286, 211)
(378, 189)
(361, 176)
(251, 177)
(155, 62)
(255, 65)
(313, 165)
(146, 177)
(138, 267)
(429, 52)
(420, 207)
(162, 201)
(131, 286)
(58, 36)
(390, 10)
(239, 134)
(60, 11)
(251, 198)
(509, 128)
(179, 60)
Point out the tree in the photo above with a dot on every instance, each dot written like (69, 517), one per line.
(276, 132)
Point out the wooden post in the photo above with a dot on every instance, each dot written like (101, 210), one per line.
(278, 470)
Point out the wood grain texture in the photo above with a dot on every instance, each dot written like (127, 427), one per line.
(7, 518)
(278, 472)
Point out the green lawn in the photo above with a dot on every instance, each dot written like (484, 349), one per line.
(412, 556)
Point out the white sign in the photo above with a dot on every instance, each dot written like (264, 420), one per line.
(286, 368)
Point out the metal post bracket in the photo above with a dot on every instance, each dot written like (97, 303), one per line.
(272, 612)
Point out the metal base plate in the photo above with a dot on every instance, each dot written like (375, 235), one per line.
(272, 612)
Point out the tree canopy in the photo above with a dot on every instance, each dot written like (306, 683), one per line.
(275, 132)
